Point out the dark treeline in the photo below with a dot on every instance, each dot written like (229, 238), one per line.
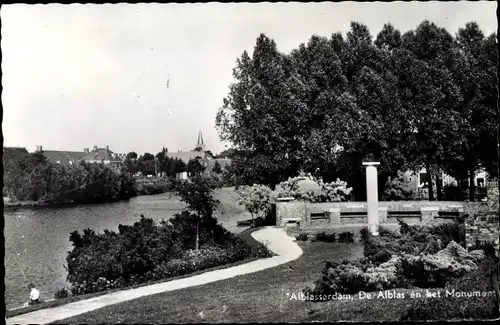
(424, 98)
(31, 177)
(161, 164)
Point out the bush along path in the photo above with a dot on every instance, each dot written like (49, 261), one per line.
(275, 239)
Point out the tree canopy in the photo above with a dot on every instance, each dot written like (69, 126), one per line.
(424, 98)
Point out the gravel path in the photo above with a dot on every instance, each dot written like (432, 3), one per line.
(275, 238)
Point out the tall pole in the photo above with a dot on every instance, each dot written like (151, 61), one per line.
(372, 196)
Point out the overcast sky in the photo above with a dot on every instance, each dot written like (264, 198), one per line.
(75, 76)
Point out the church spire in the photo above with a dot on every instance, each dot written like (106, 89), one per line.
(200, 145)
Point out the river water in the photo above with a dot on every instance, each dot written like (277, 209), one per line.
(37, 240)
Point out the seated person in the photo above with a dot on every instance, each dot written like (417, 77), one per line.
(34, 295)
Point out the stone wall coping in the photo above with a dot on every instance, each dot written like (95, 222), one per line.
(429, 208)
(285, 199)
(371, 163)
(355, 206)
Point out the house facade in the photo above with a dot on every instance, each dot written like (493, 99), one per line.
(419, 181)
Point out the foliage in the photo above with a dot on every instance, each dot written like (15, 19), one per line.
(36, 179)
(132, 155)
(399, 189)
(329, 192)
(324, 237)
(61, 293)
(196, 192)
(148, 251)
(301, 237)
(256, 199)
(346, 237)
(217, 168)
(351, 278)
(449, 307)
(454, 193)
(195, 167)
(417, 256)
(333, 103)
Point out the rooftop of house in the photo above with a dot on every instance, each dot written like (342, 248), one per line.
(97, 154)
(63, 157)
(100, 154)
(23, 149)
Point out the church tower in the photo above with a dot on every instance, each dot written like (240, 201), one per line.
(200, 146)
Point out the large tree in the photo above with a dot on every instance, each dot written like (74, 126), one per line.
(255, 115)
(435, 111)
(412, 100)
(473, 66)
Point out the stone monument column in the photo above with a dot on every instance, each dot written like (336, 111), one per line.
(372, 196)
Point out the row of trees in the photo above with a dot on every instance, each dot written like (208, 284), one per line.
(422, 98)
(161, 163)
(32, 177)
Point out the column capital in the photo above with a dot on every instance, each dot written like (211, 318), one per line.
(371, 163)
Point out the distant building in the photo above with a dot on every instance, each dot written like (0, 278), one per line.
(419, 181)
(200, 153)
(97, 155)
(12, 155)
(15, 150)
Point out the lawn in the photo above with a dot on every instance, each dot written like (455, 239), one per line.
(256, 297)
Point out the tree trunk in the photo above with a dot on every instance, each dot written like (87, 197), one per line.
(439, 186)
(472, 187)
(429, 182)
(198, 234)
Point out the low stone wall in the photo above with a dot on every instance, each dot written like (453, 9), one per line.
(483, 227)
(343, 213)
(493, 195)
(480, 229)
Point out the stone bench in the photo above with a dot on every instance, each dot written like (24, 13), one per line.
(287, 221)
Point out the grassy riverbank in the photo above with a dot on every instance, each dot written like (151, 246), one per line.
(245, 235)
(256, 297)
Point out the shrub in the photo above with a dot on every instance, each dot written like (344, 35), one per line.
(448, 308)
(387, 233)
(61, 293)
(448, 232)
(137, 253)
(399, 188)
(257, 200)
(454, 193)
(365, 234)
(327, 238)
(346, 237)
(301, 237)
(436, 270)
(328, 192)
(375, 251)
(352, 277)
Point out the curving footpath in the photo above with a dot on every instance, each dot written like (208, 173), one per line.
(276, 240)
